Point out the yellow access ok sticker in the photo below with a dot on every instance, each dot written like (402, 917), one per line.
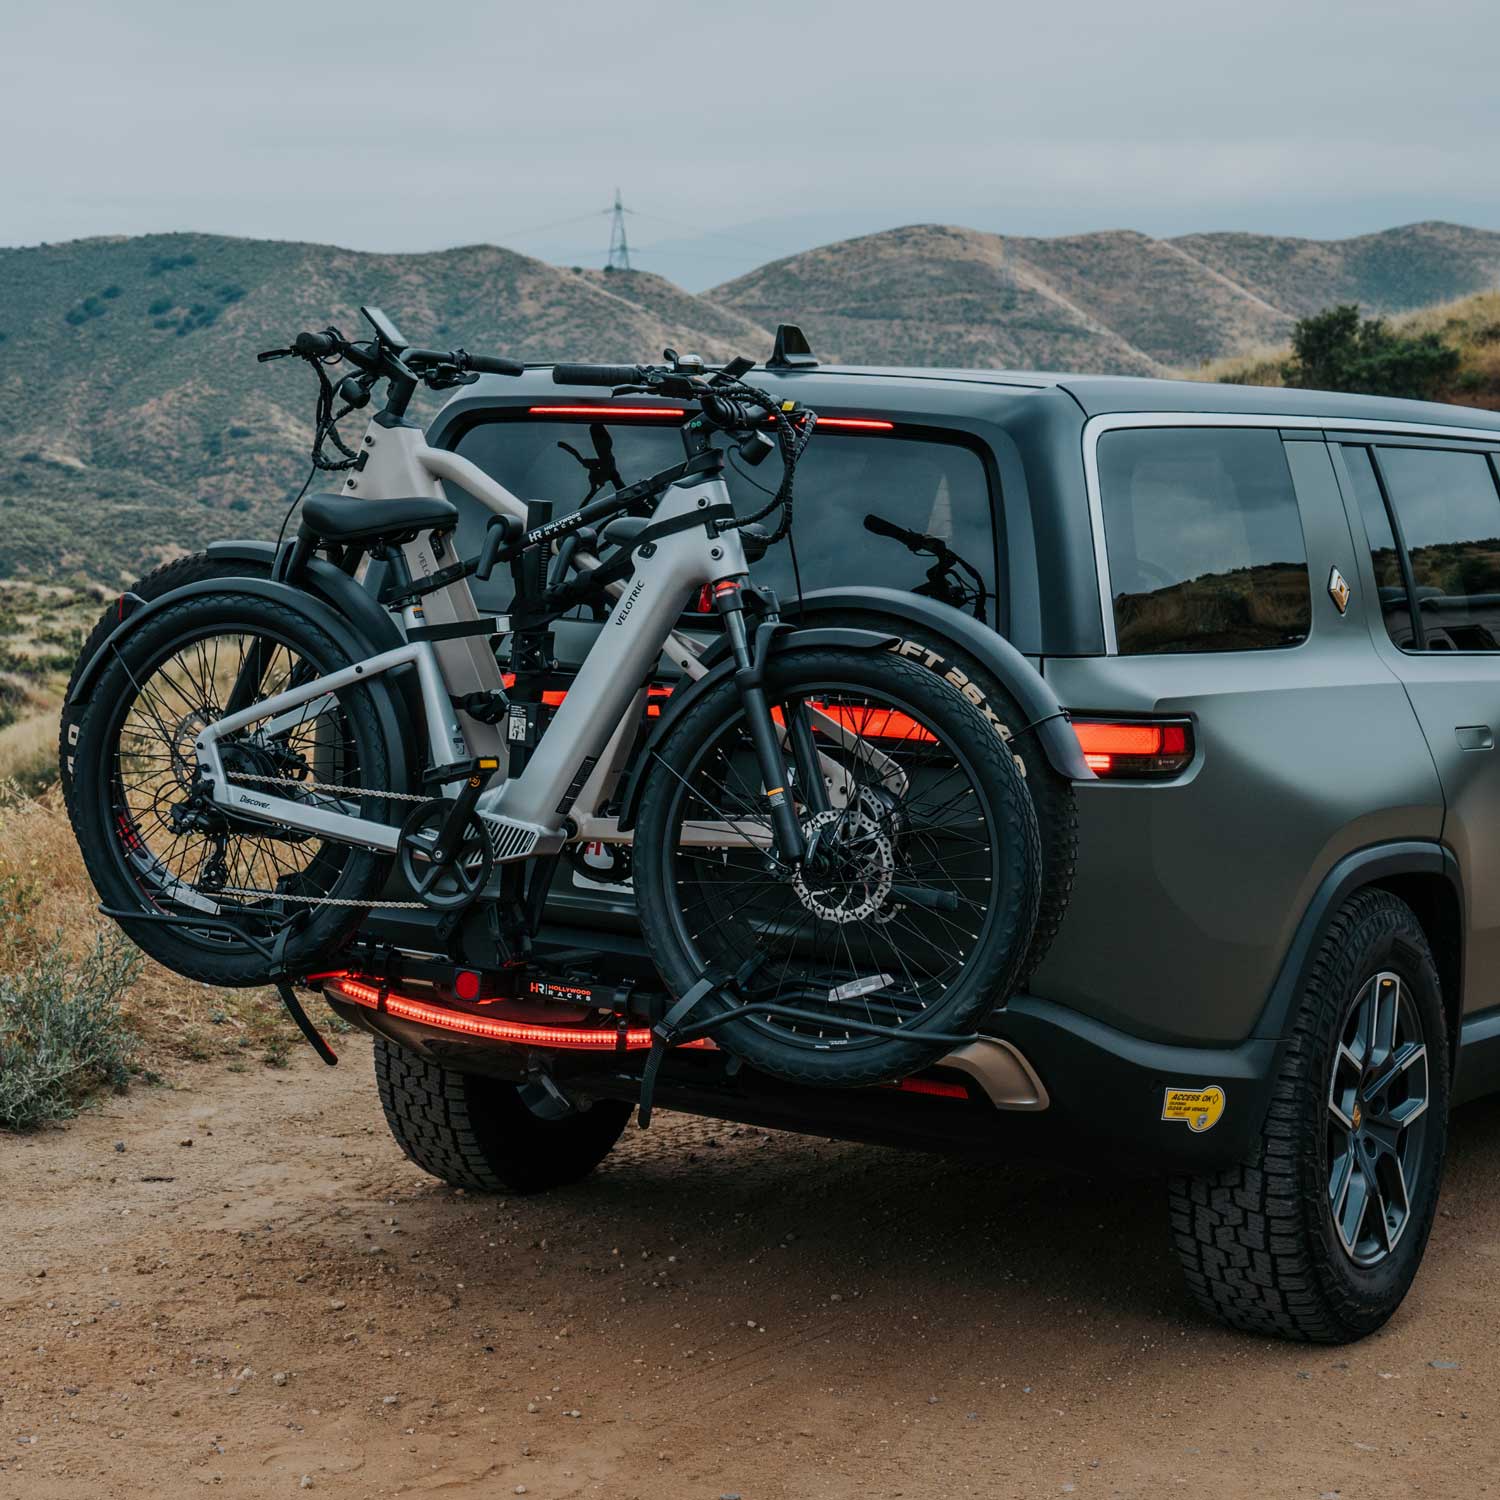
(1198, 1109)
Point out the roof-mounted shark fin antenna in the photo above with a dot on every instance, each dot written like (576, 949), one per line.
(792, 351)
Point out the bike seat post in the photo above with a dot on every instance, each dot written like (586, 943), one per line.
(530, 650)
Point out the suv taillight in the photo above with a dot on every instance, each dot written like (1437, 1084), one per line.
(1135, 749)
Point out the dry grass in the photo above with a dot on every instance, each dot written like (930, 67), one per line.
(1260, 365)
(1469, 324)
(46, 892)
(48, 907)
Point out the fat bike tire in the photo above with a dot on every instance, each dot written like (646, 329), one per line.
(134, 767)
(916, 908)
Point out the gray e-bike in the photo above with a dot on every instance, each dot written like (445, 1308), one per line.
(834, 854)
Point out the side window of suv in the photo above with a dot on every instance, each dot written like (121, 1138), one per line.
(1433, 519)
(1204, 539)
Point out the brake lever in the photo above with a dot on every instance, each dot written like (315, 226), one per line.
(267, 354)
(445, 377)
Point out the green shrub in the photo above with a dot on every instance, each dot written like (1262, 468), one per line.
(62, 1034)
(1335, 350)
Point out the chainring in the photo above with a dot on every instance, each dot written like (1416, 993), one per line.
(462, 879)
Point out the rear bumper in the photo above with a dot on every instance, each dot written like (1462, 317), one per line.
(1116, 1097)
(1047, 1084)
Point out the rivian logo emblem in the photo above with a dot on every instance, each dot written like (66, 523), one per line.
(1338, 590)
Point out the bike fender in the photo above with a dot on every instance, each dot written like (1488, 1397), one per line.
(355, 603)
(1017, 675)
(349, 597)
(389, 708)
(683, 698)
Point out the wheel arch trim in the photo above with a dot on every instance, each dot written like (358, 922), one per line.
(1375, 865)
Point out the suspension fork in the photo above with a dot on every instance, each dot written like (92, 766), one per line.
(749, 679)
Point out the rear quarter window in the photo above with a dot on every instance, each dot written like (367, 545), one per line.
(1204, 540)
(939, 488)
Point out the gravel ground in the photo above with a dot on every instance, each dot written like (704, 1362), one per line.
(240, 1282)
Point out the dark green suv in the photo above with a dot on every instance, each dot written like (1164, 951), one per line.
(1274, 619)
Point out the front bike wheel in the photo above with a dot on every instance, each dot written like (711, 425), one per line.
(914, 906)
(156, 847)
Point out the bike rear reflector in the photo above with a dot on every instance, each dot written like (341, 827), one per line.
(495, 1028)
(608, 411)
(1135, 749)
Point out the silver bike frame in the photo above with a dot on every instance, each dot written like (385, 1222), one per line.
(581, 756)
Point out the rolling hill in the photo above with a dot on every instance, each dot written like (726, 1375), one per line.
(138, 425)
(1117, 301)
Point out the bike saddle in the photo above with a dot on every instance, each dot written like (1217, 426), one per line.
(340, 518)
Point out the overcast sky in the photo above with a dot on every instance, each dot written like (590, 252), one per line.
(741, 131)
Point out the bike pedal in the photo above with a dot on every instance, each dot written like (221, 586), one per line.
(463, 770)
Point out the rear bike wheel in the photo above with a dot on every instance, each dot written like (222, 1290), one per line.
(914, 907)
(153, 842)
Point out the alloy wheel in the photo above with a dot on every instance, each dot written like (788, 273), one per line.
(1378, 1092)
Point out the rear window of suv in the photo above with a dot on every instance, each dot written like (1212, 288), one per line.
(1204, 540)
(934, 487)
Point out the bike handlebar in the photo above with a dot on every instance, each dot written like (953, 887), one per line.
(596, 374)
(917, 541)
(492, 364)
(461, 359)
(314, 345)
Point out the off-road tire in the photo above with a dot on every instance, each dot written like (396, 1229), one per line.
(1051, 793)
(1256, 1240)
(993, 969)
(176, 574)
(481, 1133)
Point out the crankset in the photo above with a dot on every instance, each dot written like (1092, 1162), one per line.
(445, 854)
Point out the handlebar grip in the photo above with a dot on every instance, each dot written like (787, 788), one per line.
(488, 364)
(596, 374)
(881, 527)
(311, 345)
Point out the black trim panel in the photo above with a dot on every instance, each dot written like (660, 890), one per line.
(1363, 867)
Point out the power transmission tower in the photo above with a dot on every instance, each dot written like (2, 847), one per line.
(619, 246)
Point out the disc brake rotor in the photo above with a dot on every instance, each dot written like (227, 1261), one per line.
(847, 876)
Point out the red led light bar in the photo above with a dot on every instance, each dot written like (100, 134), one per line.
(608, 411)
(840, 424)
(493, 1028)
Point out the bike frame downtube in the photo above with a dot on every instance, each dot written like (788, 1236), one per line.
(623, 657)
(277, 714)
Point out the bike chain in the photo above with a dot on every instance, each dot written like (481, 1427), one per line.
(323, 786)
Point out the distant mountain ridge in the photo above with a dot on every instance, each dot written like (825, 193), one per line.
(1115, 301)
(137, 423)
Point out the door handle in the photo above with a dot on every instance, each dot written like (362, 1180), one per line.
(1475, 737)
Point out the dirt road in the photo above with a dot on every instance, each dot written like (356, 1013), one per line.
(717, 1312)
